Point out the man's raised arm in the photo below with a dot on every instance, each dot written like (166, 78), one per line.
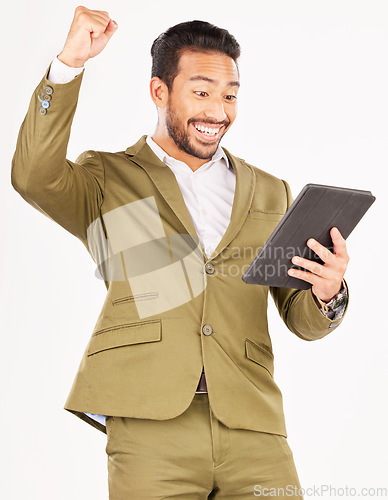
(69, 193)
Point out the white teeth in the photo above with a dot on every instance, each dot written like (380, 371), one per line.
(206, 130)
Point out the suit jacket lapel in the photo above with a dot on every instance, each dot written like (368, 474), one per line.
(166, 183)
(243, 195)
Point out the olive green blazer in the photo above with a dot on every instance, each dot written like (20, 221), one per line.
(169, 310)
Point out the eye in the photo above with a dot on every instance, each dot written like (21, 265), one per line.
(201, 93)
(231, 97)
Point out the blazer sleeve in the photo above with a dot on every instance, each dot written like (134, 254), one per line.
(69, 193)
(298, 308)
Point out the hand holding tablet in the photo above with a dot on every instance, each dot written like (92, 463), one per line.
(308, 231)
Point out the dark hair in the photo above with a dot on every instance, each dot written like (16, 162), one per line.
(197, 36)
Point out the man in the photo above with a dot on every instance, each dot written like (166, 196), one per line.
(179, 368)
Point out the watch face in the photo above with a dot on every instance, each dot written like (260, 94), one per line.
(340, 302)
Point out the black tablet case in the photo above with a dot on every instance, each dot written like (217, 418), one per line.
(314, 212)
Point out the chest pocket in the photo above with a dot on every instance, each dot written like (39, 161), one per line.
(265, 216)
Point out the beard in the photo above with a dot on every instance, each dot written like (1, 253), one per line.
(181, 138)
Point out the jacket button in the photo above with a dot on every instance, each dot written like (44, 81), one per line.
(45, 104)
(42, 111)
(207, 330)
(48, 90)
(46, 97)
(209, 268)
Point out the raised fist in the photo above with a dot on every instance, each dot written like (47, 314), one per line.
(89, 33)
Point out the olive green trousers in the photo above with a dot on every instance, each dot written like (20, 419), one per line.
(195, 456)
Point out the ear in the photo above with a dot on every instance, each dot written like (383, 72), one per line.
(159, 92)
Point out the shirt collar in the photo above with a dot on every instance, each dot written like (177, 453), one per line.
(168, 160)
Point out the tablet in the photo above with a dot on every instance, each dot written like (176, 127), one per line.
(314, 212)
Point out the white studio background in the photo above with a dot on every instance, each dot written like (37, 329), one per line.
(312, 108)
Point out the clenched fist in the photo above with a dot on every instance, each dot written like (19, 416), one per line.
(89, 33)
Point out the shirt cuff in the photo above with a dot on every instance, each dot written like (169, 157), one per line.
(61, 73)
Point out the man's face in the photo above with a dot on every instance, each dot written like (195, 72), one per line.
(202, 104)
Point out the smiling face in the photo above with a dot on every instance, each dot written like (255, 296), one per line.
(200, 108)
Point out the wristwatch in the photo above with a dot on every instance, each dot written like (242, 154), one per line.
(338, 300)
(336, 304)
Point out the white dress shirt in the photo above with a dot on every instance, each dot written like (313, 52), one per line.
(61, 73)
(208, 193)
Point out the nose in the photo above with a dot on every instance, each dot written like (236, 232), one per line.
(215, 110)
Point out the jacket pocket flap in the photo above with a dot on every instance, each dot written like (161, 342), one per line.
(259, 355)
(122, 335)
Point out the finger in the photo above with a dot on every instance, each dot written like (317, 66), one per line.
(85, 16)
(305, 276)
(111, 28)
(100, 28)
(339, 242)
(102, 13)
(310, 265)
(94, 21)
(323, 253)
(101, 16)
